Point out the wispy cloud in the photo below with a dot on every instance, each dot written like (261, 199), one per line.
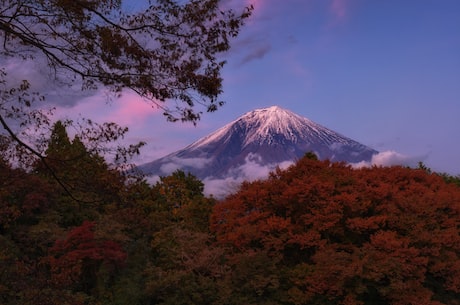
(339, 9)
(257, 4)
(339, 12)
(257, 52)
(251, 170)
(128, 110)
(253, 41)
(145, 122)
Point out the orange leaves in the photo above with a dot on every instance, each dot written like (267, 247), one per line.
(275, 224)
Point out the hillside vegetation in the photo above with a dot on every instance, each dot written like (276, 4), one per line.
(316, 233)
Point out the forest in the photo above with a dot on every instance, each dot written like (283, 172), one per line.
(77, 229)
(315, 233)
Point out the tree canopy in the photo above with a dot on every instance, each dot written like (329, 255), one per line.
(330, 234)
(316, 233)
(164, 50)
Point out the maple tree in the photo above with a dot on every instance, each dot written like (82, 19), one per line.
(375, 235)
(24, 239)
(77, 260)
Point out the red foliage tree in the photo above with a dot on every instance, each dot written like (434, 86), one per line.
(76, 260)
(348, 236)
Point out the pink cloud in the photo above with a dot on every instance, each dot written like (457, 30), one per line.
(131, 109)
(339, 11)
(256, 3)
(127, 110)
(339, 8)
(144, 120)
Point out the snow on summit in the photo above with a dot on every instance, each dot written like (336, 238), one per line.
(267, 124)
(262, 138)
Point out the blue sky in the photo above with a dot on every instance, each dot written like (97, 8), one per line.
(384, 73)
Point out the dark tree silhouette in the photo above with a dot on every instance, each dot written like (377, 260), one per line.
(167, 50)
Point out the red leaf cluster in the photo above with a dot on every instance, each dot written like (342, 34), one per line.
(79, 257)
(351, 235)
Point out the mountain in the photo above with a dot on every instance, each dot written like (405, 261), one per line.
(263, 137)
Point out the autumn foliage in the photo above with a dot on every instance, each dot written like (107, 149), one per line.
(343, 236)
(316, 233)
(78, 258)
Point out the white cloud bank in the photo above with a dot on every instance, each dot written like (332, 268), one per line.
(390, 158)
(251, 170)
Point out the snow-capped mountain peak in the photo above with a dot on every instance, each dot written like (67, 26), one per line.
(272, 134)
(264, 124)
(268, 124)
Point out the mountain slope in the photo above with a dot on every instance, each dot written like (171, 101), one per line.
(266, 137)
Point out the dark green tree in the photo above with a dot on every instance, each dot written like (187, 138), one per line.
(182, 196)
(84, 181)
(185, 265)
